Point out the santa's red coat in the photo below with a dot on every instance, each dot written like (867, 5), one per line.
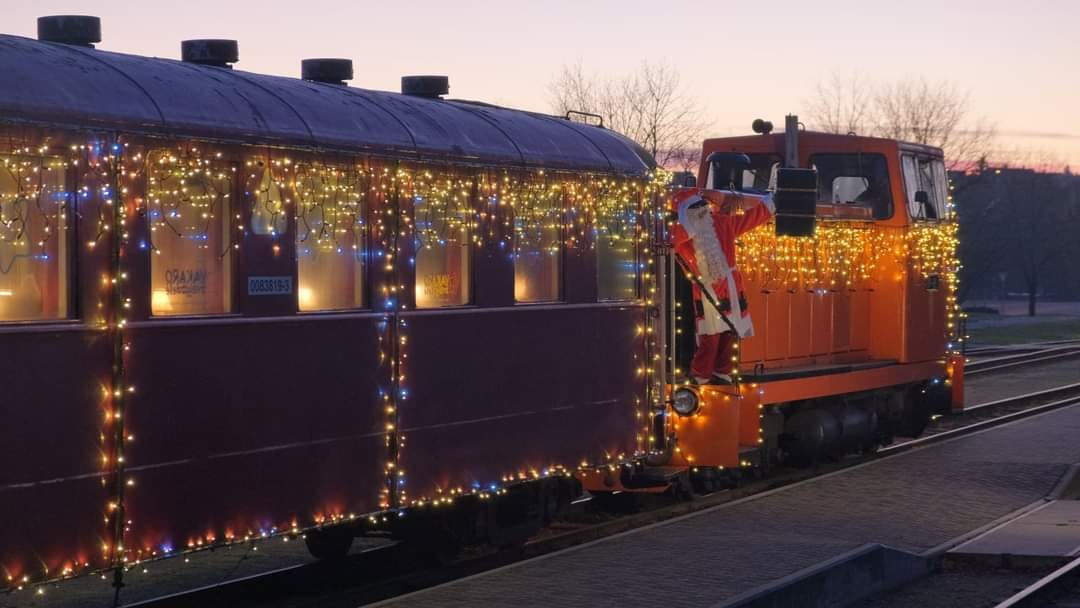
(705, 240)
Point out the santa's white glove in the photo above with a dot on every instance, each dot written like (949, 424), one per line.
(767, 200)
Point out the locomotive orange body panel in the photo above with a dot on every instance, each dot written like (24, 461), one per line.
(890, 314)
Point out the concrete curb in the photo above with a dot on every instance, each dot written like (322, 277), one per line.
(1068, 487)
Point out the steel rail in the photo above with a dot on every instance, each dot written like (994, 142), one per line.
(1021, 360)
(1042, 590)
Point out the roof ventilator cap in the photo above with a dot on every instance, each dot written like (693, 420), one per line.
(218, 53)
(329, 71)
(431, 87)
(80, 30)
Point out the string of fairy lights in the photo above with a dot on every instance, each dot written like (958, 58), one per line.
(381, 210)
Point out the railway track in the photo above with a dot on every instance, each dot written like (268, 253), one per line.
(1059, 589)
(990, 349)
(390, 570)
(1047, 354)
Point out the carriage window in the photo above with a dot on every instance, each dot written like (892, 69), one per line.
(329, 238)
(443, 231)
(33, 239)
(616, 259)
(854, 179)
(538, 217)
(265, 187)
(188, 202)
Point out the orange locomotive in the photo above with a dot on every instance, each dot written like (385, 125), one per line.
(856, 337)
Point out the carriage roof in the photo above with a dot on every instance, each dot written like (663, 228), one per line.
(57, 84)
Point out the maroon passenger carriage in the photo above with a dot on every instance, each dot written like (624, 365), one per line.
(233, 305)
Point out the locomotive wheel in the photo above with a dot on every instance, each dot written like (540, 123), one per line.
(329, 544)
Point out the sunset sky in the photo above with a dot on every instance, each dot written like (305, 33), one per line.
(1020, 61)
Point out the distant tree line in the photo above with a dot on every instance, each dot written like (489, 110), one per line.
(1018, 233)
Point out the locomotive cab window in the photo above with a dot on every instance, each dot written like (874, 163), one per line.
(926, 186)
(858, 180)
(443, 256)
(330, 249)
(188, 209)
(762, 172)
(33, 239)
(538, 218)
(760, 175)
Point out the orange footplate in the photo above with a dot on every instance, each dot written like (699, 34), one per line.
(726, 422)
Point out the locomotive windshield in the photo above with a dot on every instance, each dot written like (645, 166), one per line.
(760, 175)
(762, 172)
(857, 179)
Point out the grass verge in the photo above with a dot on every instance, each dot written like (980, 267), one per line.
(1022, 333)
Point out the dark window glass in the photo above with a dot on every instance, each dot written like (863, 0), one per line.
(762, 172)
(854, 179)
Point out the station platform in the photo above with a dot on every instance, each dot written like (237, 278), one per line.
(1052, 531)
(924, 502)
(1047, 535)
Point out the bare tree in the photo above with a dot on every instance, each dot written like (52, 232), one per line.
(650, 107)
(919, 111)
(842, 105)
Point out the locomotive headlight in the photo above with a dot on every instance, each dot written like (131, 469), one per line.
(685, 401)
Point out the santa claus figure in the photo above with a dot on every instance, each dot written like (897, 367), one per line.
(704, 238)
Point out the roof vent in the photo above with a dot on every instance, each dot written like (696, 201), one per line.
(431, 87)
(80, 30)
(330, 71)
(219, 53)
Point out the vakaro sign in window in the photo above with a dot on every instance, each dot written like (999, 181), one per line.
(444, 224)
(188, 211)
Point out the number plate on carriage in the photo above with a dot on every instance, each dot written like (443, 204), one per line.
(270, 286)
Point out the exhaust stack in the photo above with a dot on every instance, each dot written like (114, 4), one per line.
(76, 30)
(214, 52)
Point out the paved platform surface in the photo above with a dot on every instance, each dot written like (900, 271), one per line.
(915, 501)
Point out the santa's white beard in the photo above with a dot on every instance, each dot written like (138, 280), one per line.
(707, 250)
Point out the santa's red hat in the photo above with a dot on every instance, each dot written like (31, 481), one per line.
(681, 200)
